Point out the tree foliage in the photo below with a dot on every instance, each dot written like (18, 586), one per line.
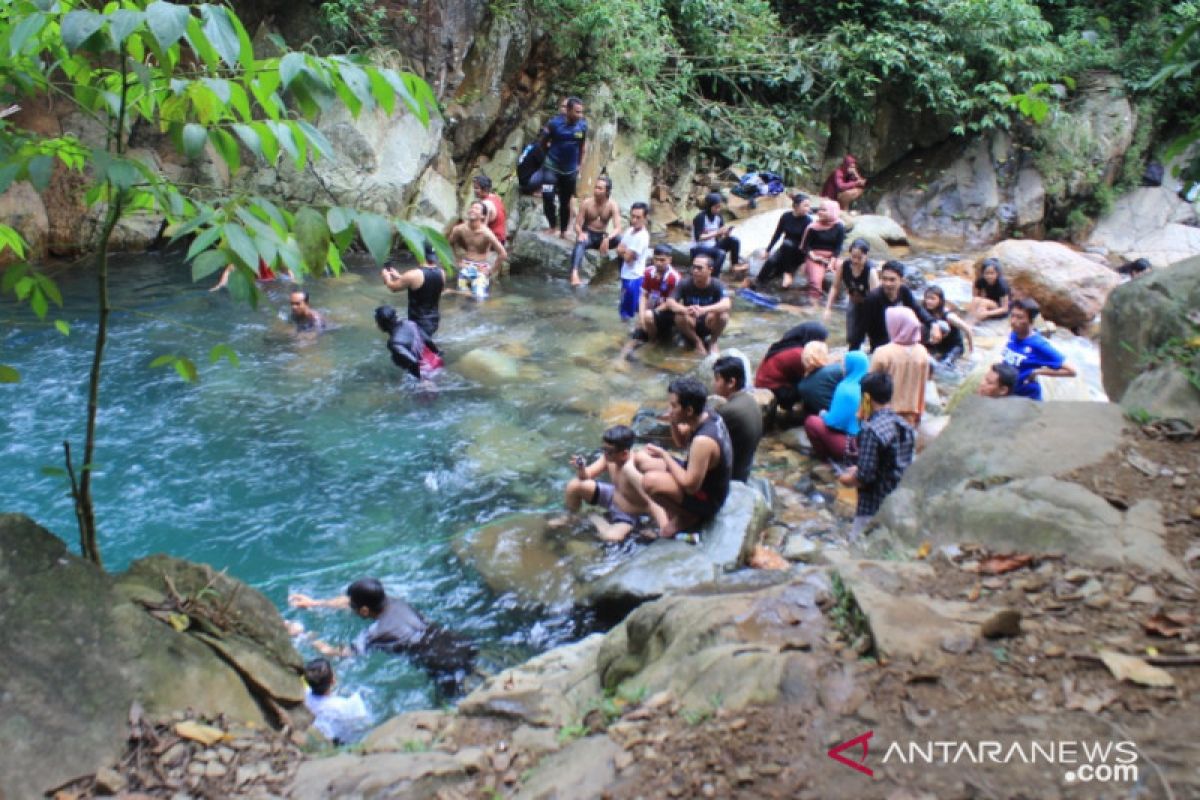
(191, 72)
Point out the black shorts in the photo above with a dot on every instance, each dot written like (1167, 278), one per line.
(664, 321)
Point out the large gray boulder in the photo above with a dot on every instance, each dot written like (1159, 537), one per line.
(671, 566)
(1167, 392)
(1150, 222)
(81, 646)
(1144, 315)
(535, 252)
(1070, 287)
(1022, 496)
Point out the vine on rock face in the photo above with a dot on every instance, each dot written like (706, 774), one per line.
(191, 72)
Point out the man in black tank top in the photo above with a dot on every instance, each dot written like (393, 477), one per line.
(424, 285)
(692, 490)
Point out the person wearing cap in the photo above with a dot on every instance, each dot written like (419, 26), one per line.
(424, 285)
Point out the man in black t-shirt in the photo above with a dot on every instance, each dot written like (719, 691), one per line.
(700, 306)
(892, 291)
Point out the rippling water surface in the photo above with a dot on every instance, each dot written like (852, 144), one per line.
(315, 462)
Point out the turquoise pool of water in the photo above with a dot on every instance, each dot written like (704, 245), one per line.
(316, 461)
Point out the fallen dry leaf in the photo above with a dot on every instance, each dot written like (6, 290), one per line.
(204, 734)
(1000, 564)
(1168, 624)
(923, 550)
(766, 558)
(1132, 668)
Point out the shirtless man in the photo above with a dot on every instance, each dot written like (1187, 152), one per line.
(472, 242)
(591, 225)
(623, 499)
(693, 490)
(304, 316)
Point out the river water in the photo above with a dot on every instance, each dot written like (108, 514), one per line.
(315, 461)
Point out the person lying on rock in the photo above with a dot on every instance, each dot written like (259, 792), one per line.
(340, 719)
(692, 490)
(885, 449)
(473, 242)
(397, 628)
(1030, 353)
(999, 381)
(700, 307)
(623, 499)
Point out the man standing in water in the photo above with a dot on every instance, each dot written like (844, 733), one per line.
(596, 215)
(473, 242)
(305, 317)
(424, 285)
(564, 139)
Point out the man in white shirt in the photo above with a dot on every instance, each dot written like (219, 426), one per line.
(633, 249)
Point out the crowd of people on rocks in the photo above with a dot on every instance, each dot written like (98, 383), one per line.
(860, 410)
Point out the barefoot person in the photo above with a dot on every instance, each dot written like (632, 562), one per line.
(700, 307)
(622, 499)
(564, 138)
(845, 184)
(596, 215)
(424, 285)
(473, 242)
(396, 627)
(654, 319)
(693, 490)
(992, 294)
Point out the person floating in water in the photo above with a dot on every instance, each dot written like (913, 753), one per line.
(305, 317)
(397, 628)
(411, 347)
(623, 499)
(473, 242)
(424, 285)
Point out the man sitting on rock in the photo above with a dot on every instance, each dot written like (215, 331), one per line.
(396, 627)
(700, 307)
(654, 320)
(596, 215)
(885, 449)
(691, 490)
(741, 413)
(622, 499)
(999, 381)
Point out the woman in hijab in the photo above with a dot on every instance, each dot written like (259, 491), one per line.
(822, 248)
(907, 361)
(783, 365)
(845, 184)
(831, 432)
(815, 390)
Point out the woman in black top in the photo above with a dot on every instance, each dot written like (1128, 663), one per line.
(991, 293)
(713, 237)
(946, 337)
(856, 277)
(791, 228)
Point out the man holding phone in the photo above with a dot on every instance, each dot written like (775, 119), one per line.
(623, 500)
